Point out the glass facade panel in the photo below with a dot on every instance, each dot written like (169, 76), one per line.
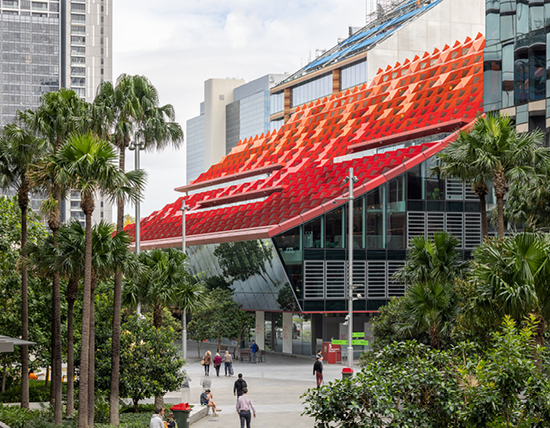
(312, 90)
(536, 14)
(334, 229)
(492, 75)
(195, 148)
(290, 246)
(353, 75)
(312, 234)
(508, 75)
(537, 66)
(374, 230)
(492, 23)
(522, 16)
(277, 102)
(358, 223)
(521, 72)
(415, 189)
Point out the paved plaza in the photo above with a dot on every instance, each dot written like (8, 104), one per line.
(275, 388)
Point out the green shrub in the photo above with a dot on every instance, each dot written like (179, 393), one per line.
(38, 392)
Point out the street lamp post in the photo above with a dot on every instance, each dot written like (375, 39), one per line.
(184, 314)
(137, 147)
(351, 179)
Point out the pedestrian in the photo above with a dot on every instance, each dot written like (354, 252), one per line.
(32, 375)
(239, 385)
(318, 371)
(228, 361)
(156, 419)
(254, 348)
(207, 399)
(207, 362)
(244, 405)
(171, 423)
(217, 363)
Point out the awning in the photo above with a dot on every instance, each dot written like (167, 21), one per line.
(7, 343)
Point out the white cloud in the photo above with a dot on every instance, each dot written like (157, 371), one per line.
(180, 44)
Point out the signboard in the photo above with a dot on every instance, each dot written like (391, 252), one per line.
(359, 334)
(358, 342)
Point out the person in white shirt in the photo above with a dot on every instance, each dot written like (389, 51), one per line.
(244, 407)
(156, 419)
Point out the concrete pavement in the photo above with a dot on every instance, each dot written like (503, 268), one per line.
(275, 388)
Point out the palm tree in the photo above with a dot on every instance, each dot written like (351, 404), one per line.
(430, 302)
(132, 108)
(456, 162)
(60, 114)
(512, 277)
(87, 164)
(19, 148)
(505, 155)
(432, 261)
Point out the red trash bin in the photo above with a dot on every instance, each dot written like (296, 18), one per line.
(332, 357)
(347, 373)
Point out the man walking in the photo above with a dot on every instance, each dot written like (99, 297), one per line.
(254, 348)
(240, 384)
(244, 405)
(318, 371)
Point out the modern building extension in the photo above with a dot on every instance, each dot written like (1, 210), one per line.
(269, 219)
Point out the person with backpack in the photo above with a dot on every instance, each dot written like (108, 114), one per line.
(254, 348)
(239, 385)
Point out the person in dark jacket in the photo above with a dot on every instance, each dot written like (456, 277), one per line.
(318, 371)
(240, 383)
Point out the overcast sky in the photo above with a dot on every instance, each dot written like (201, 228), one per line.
(178, 44)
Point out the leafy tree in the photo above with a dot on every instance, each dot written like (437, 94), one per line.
(286, 299)
(199, 328)
(217, 282)
(407, 384)
(128, 219)
(131, 107)
(244, 259)
(14, 233)
(150, 364)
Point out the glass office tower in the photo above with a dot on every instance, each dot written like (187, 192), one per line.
(516, 61)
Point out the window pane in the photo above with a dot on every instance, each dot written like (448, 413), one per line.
(312, 234)
(334, 229)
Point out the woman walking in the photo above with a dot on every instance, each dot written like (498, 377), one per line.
(207, 362)
(217, 363)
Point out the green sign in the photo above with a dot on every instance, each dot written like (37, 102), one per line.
(360, 334)
(359, 342)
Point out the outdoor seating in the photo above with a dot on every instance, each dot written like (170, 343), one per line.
(261, 356)
(245, 353)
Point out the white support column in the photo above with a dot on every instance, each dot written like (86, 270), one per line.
(287, 332)
(260, 321)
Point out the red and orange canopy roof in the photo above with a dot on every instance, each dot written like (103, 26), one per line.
(273, 182)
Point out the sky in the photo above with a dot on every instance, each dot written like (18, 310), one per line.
(178, 44)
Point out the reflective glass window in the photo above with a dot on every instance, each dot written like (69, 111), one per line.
(508, 75)
(537, 67)
(536, 15)
(521, 75)
(353, 75)
(396, 194)
(334, 228)
(358, 223)
(277, 102)
(414, 183)
(375, 219)
(289, 246)
(492, 75)
(492, 25)
(507, 25)
(312, 90)
(396, 230)
(522, 16)
(312, 234)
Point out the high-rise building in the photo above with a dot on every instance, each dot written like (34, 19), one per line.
(232, 111)
(516, 58)
(48, 44)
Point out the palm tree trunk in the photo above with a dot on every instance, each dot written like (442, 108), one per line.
(87, 207)
(55, 223)
(117, 309)
(484, 222)
(91, 369)
(23, 200)
(70, 352)
(500, 191)
(434, 337)
(157, 316)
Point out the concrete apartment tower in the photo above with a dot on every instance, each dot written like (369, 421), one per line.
(49, 44)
